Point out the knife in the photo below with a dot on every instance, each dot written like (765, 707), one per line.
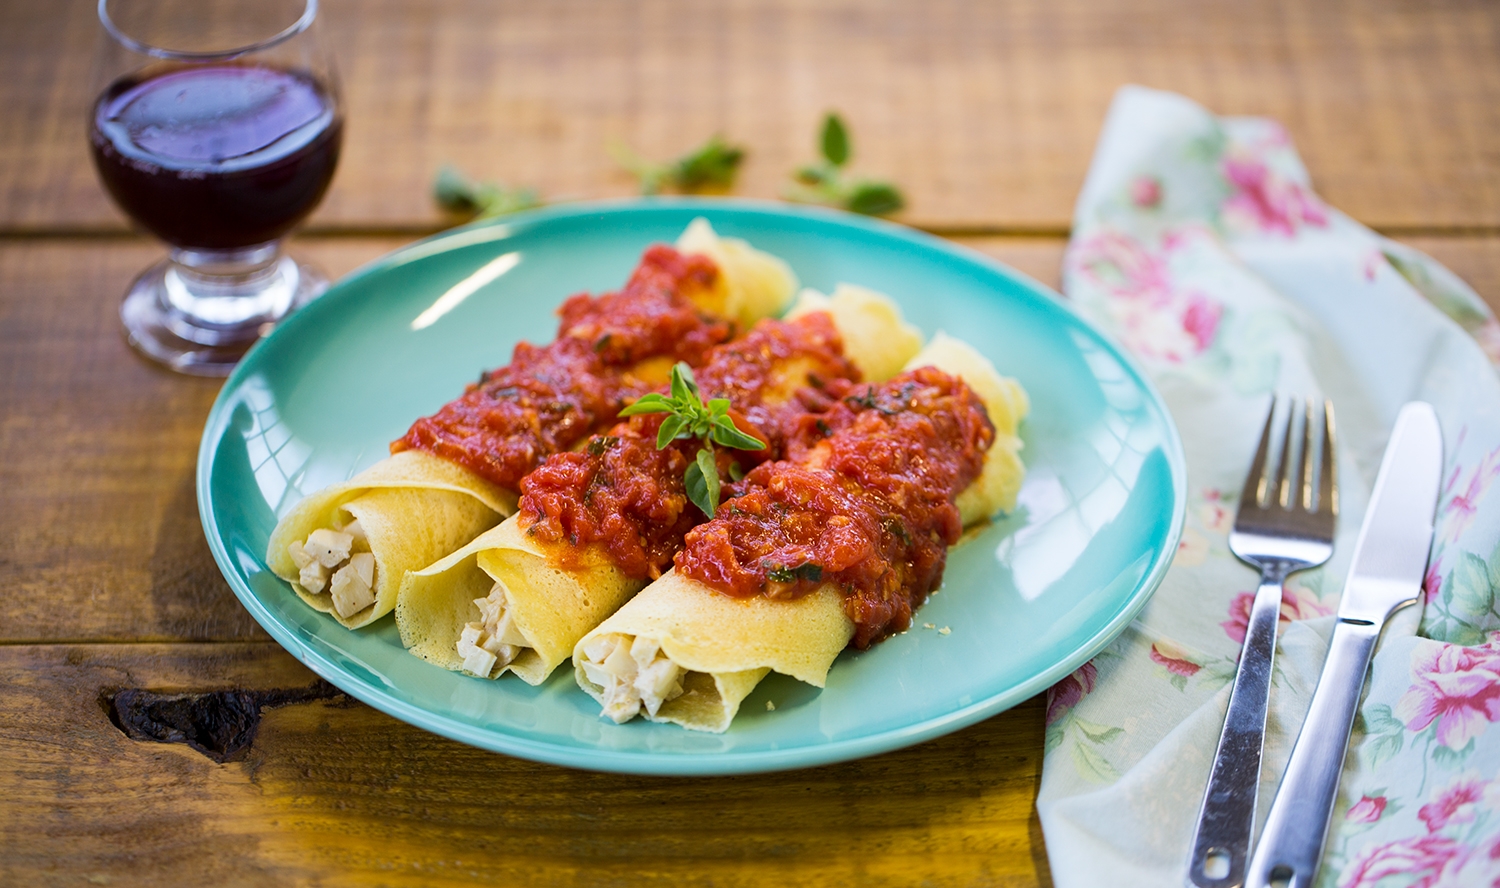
(1386, 575)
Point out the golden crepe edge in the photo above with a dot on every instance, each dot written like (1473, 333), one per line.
(447, 503)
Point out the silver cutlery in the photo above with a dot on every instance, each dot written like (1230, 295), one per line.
(1285, 523)
(1386, 575)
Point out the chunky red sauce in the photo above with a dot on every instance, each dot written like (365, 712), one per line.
(550, 397)
(869, 508)
(621, 492)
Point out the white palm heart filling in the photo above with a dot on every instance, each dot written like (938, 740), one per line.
(494, 640)
(339, 561)
(633, 672)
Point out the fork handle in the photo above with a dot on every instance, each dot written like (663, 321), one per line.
(1226, 820)
(1297, 826)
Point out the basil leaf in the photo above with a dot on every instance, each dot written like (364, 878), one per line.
(671, 427)
(454, 192)
(805, 571)
(702, 482)
(811, 175)
(727, 434)
(712, 166)
(650, 403)
(875, 199)
(835, 140)
(457, 193)
(684, 386)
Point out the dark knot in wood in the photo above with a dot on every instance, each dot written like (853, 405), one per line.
(219, 724)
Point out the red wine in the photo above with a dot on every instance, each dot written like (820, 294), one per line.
(217, 156)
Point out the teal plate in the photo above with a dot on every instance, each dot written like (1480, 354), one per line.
(1028, 599)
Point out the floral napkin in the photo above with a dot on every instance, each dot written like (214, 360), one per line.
(1199, 244)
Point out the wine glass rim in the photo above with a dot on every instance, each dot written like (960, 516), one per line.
(309, 12)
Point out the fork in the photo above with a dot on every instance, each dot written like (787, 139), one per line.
(1280, 528)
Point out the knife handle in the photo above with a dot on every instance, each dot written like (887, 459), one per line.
(1226, 820)
(1291, 847)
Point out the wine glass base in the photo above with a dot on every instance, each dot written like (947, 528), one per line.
(158, 327)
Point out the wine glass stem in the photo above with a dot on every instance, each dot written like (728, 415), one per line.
(223, 295)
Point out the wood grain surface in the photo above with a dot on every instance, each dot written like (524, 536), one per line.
(333, 792)
(986, 113)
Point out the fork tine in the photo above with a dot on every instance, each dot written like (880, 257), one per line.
(1288, 465)
(1305, 468)
(1255, 479)
(1328, 491)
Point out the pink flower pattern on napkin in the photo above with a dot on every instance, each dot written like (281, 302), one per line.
(1366, 810)
(1296, 604)
(1169, 254)
(1175, 659)
(1457, 687)
(1461, 502)
(1453, 805)
(1432, 581)
(1064, 695)
(1157, 319)
(1425, 859)
(1265, 201)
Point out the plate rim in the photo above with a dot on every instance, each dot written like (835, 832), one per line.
(692, 763)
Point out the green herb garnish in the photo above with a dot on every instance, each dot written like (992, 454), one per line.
(689, 417)
(813, 573)
(824, 183)
(711, 167)
(897, 528)
(462, 196)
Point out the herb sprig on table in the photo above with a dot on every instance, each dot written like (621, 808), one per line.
(710, 167)
(462, 196)
(689, 417)
(824, 182)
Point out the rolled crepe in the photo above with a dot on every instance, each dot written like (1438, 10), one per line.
(876, 337)
(679, 633)
(406, 511)
(752, 284)
(548, 606)
(447, 613)
(413, 509)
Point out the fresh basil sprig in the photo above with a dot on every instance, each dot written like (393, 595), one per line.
(689, 417)
(462, 196)
(824, 182)
(711, 167)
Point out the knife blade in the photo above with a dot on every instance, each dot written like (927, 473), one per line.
(1390, 560)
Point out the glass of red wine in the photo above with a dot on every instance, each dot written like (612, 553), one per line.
(217, 128)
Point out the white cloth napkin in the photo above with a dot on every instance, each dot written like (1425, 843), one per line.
(1199, 244)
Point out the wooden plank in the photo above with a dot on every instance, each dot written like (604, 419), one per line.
(986, 113)
(334, 790)
(99, 531)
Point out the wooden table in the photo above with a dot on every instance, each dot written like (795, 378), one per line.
(985, 113)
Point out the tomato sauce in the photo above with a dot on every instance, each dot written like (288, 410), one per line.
(624, 494)
(551, 397)
(868, 506)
